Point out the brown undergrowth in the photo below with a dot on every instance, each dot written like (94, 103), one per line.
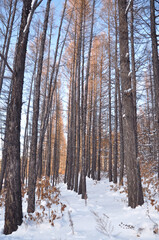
(48, 204)
(150, 184)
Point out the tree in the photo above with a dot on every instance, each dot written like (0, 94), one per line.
(155, 62)
(110, 105)
(128, 109)
(116, 101)
(32, 162)
(83, 173)
(13, 202)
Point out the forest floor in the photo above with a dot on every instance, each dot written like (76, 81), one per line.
(103, 215)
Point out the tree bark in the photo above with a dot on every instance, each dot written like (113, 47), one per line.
(110, 116)
(32, 163)
(128, 107)
(116, 102)
(13, 202)
(155, 62)
(83, 173)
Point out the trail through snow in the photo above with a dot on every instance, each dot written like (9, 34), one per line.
(82, 219)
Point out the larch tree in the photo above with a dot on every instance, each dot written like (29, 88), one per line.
(155, 61)
(128, 110)
(32, 162)
(13, 202)
(83, 172)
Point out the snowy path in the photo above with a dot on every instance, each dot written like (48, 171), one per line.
(121, 222)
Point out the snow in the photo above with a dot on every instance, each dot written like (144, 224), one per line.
(128, 90)
(127, 55)
(127, 8)
(129, 74)
(29, 16)
(33, 2)
(106, 208)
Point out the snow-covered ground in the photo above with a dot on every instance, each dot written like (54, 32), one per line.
(104, 215)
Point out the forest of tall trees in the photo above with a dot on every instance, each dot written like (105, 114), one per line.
(79, 95)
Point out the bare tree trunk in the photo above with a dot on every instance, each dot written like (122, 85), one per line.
(56, 144)
(83, 173)
(72, 145)
(13, 203)
(43, 108)
(110, 117)
(133, 71)
(68, 139)
(88, 165)
(100, 124)
(153, 109)
(116, 103)
(49, 148)
(94, 135)
(155, 62)
(32, 163)
(82, 90)
(121, 132)
(128, 107)
(79, 98)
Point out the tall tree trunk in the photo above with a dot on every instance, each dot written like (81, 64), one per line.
(43, 109)
(128, 107)
(88, 165)
(79, 98)
(49, 148)
(94, 133)
(100, 122)
(110, 116)
(140, 193)
(32, 163)
(72, 145)
(116, 101)
(155, 62)
(121, 133)
(13, 203)
(153, 108)
(56, 145)
(83, 173)
(68, 139)
(82, 87)
(133, 70)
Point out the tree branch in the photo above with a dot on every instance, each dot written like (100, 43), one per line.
(5, 60)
